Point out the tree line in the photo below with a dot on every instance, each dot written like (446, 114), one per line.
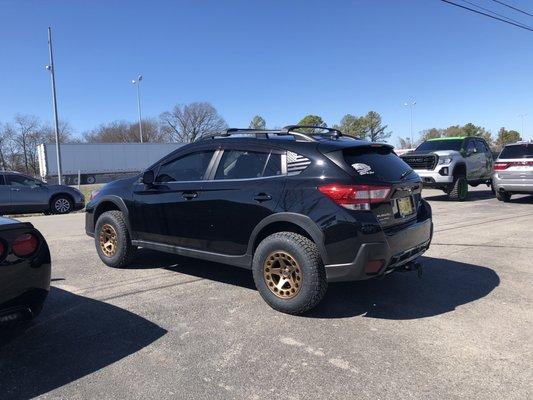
(503, 137)
(20, 137)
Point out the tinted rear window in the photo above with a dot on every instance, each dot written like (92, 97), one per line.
(517, 151)
(447, 144)
(376, 163)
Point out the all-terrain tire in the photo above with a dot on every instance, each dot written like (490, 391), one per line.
(459, 190)
(503, 196)
(115, 252)
(311, 285)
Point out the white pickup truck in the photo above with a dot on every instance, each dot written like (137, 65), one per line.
(452, 163)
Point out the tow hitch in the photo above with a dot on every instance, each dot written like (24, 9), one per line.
(413, 266)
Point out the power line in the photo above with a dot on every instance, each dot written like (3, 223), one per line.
(513, 8)
(489, 15)
(493, 12)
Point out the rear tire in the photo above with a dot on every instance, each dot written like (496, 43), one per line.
(459, 190)
(503, 196)
(112, 240)
(61, 205)
(288, 272)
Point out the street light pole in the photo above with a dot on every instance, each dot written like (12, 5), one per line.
(138, 83)
(410, 105)
(51, 67)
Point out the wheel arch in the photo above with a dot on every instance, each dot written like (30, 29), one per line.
(459, 168)
(110, 203)
(288, 222)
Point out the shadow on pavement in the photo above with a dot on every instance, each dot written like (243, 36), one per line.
(444, 286)
(473, 195)
(73, 337)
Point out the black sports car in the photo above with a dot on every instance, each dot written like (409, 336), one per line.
(24, 271)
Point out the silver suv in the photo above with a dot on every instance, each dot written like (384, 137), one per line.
(513, 171)
(452, 163)
(20, 193)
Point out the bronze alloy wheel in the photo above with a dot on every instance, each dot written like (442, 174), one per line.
(283, 276)
(108, 240)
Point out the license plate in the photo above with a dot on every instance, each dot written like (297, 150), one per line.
(405, 206)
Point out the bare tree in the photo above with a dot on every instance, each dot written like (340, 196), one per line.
(22, 128)
(126, 132)
(65, 133)
(186, 123)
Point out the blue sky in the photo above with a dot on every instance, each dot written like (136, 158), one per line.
(278, 58)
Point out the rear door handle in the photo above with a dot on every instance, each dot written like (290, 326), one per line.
(262, 197)
(15, 189)
(189, 195)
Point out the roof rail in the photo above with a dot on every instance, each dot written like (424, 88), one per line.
(259, 133)
(288, 130)
(333, 133)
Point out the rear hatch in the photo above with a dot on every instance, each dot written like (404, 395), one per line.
(376, 165)
(515, 162)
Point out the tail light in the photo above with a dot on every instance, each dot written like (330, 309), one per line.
(500, 166)
(94, 193)
(2, 250)
(25, 245)
(356, 197)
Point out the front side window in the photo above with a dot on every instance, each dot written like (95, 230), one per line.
(471, 147)
(21, 180)
(241, 164)
(191, 167)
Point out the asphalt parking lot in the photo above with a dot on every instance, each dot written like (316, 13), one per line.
(171, 327)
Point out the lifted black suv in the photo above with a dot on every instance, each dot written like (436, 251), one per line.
(298, 209)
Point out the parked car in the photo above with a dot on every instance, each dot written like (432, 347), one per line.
(452, 163)
(298, 209)
(20, 193)
(513, 171)
(24, 271)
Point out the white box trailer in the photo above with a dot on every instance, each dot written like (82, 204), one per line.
(99, 161)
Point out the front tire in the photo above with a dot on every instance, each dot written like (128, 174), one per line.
(61, 205)
(112, 240)
(459, 190)
(288, 272)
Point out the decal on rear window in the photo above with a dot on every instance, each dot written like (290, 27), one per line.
(362, 169)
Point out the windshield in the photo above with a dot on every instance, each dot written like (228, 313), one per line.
(445, 144)
(518, 151)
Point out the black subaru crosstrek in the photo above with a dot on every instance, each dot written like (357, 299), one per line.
(299, 206)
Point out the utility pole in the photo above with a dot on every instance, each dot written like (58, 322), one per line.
(138, 83)
(51, 67)
(411, 105)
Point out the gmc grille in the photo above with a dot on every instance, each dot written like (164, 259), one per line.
(421, 162)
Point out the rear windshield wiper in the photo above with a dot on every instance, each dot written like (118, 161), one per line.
(404, 174)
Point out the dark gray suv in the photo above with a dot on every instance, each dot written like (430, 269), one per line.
(23, 194)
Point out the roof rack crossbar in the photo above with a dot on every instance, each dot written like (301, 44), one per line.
(334, 133)
(257, 132)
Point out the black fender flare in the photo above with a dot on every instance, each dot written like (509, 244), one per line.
(117, 201)
(302, 221)
(459, 165)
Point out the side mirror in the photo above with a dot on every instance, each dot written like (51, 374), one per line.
(148, 177)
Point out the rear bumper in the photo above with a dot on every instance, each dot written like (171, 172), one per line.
(519, 185)
(394, 251)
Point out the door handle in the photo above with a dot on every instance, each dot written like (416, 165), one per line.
(189, 195)
(15, 189)
(262, 197)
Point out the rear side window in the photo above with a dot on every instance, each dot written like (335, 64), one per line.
(191, 167)
(517, 151)
(240, 164)
(379, 163)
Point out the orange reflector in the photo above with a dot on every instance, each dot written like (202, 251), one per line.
(373, 266)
